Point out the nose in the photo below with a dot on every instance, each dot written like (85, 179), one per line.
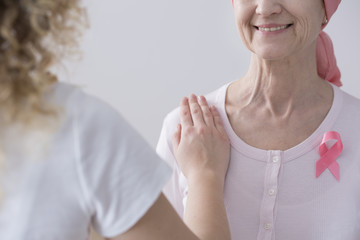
(268, 7)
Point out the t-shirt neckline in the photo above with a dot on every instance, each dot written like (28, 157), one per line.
(302, 148)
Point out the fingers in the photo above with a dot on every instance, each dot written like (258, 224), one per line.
(185, 114)
(207, 115)
(196, 111)
(217, 120)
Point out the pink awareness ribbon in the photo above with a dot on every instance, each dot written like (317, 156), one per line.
(328, 156)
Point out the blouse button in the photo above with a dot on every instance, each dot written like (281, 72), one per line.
(267, 226)
(275, 159)
(271, 192)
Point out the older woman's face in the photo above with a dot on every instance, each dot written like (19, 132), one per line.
(274, 29)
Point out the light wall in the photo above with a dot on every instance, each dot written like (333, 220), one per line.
(143, 56)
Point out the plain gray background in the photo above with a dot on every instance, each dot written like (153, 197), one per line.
(143, 56)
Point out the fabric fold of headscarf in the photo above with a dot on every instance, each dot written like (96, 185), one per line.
(325, 56)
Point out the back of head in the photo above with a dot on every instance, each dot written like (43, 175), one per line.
(33, 35)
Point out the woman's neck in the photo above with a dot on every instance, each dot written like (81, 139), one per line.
(281, 86)
(278, 104)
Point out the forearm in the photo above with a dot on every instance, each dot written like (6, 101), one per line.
(205, 212)
(202, 150)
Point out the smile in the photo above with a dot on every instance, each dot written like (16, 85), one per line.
(272, 29)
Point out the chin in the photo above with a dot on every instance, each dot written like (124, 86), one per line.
(272, 50)
(271, 54)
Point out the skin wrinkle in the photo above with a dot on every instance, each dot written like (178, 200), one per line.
(265, 81)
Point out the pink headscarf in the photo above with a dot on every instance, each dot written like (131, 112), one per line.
(325, 56)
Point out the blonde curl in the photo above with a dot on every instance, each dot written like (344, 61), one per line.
(34, 34)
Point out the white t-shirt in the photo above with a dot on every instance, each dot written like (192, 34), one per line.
(275, 194)
(96, 170)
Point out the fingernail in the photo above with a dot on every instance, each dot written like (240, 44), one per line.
(203, 99)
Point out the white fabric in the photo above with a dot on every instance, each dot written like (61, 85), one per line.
(96, 170)
(274, 194)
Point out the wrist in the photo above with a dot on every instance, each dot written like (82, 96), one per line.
(206, 179)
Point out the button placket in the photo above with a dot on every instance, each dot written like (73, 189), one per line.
(269, 197)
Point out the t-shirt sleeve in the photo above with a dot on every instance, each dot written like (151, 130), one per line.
(121, 174)
(176, 188)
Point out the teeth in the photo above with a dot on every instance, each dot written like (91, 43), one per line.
(273, 29)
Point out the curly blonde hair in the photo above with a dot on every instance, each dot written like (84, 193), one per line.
(34, 34)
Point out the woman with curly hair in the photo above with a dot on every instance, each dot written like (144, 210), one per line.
(69, 161)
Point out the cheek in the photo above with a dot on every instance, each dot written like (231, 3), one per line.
(309, 17)
(243, 10)
(243, 16)
(308, 28)
(302, 29)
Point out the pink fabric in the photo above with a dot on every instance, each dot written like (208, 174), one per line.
(331, 6)
(328, 156)
(326, 60)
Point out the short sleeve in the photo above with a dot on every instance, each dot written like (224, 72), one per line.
(175, 189)
(121, 174)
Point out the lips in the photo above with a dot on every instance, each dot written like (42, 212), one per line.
(272, 27)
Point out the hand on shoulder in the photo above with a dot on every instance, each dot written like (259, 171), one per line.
(200, 143)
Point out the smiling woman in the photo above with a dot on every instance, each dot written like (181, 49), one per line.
(294, 168)
(295, 28)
